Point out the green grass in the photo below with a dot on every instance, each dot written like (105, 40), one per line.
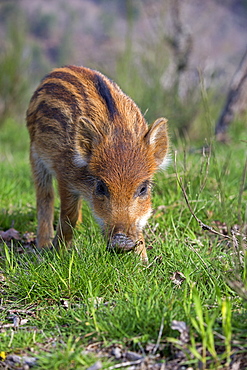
(86, 296)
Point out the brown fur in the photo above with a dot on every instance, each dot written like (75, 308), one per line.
(93, 138)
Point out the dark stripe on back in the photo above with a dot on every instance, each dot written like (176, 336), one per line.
(53, 114)
(106, 95)
(46, 128)
(67, 77)
(61, 93)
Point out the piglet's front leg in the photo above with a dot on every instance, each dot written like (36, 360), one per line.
(70, 211)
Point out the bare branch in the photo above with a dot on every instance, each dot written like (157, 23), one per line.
(235, 90)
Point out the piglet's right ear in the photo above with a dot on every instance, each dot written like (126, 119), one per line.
(157, 139)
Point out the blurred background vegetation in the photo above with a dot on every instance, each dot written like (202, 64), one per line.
(174, 58)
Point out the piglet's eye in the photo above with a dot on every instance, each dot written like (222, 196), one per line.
(101, 189)
(143, 189)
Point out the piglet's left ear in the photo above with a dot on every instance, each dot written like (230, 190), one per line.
(157, 138)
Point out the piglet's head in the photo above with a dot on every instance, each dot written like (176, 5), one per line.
(122, 163)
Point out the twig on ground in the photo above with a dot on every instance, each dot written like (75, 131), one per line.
(125, 364)
(21, 311)
(154, 260)
(156, 347)
(198, 255)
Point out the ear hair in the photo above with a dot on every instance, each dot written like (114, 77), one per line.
(166, 162)
(157, 139)
(79, 161)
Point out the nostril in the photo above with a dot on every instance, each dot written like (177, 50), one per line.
(121, 242)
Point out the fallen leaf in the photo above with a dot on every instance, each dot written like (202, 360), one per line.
(178, 278)
(22, 360)
(133, 356)
(183, 329)
(116, 352)
(29, 237)
(10, 234)
(96, 366)
(64, 303)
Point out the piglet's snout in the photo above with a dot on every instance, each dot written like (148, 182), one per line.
(120, 242)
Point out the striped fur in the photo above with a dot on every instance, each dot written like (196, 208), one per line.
(93, 138)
